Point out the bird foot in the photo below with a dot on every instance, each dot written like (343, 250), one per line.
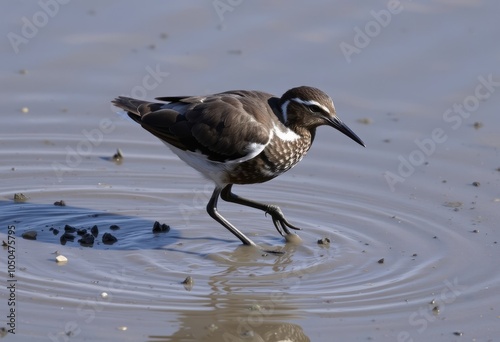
(279, 220)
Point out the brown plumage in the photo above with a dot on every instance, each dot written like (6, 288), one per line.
(239, 137)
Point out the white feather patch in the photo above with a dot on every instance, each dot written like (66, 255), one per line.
(284, 108)
(286, 135)
(252, 149)
(211, 170)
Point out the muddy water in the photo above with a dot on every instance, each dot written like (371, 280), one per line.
(413, 252)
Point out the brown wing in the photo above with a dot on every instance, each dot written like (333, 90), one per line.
(224, 127)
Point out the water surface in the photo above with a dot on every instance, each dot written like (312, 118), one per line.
(413, 241)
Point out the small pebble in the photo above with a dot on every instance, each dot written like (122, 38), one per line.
(188, 283)
(61, 259)
(478, 125)
(476, 184)
(29, 235)
(122, 328)
(4, 244)
(81, 232)
(324, 241)
(108, 239)
(188, 280)
(435, 310)
(20, 198)
(475, 231)
(25, 110)
(104, 295)
(87, 240)
(160, 228)
(458, 333)
(118, 156)
(114, 227)
(69, 229)
(381, 261)
(60, 203)
(94, 230)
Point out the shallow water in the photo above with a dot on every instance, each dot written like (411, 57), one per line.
(413, 242)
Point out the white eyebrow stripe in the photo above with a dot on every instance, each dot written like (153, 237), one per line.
(284, 107)
(311, 102)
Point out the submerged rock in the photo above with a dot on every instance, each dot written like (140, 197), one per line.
(94, 230)
(20, 198)
(324, 241)
(29, 235)
(87, 240)
(160, 228)
(108, 239)
(60, 203)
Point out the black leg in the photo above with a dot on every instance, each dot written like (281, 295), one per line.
(212, 211)
(279, 219)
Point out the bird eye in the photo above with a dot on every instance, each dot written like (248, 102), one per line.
(315, 109)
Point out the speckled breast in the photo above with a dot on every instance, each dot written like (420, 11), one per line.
(278, 157)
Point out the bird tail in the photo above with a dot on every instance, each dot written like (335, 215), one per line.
(128, 104)
(135, 108)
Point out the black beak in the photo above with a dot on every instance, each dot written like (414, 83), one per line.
(336, 123)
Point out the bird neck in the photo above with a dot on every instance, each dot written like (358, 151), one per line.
(304, 132)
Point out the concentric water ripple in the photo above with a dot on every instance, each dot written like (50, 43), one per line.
(386, 254)
(412, 260)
